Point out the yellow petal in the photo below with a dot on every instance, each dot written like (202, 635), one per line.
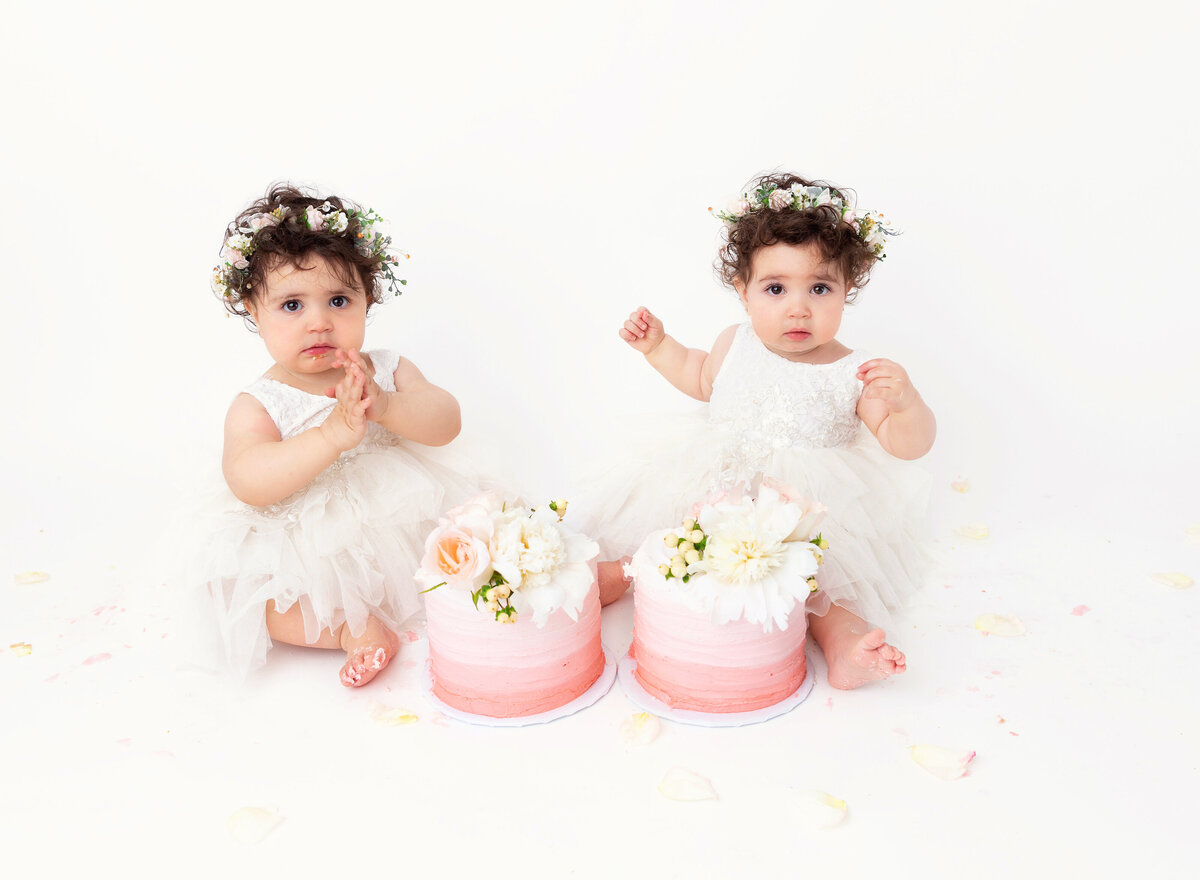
(942, 763)
(1176, 579)
(31, 577)
(961, 484)
(1193, 533)
(973, 531)
(817, 810)
(999, 625)
(249, 825)
(392, 716)
(684, 785)
(640, 729)
(21, 649)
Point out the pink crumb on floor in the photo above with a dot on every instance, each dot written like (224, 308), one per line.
(51, 678)
(829, 702)
(1080, 610)
(96, 658)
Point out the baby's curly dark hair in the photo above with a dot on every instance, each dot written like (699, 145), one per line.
(838, 241)
(354, 252)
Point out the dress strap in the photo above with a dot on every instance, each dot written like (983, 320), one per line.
(384, 361)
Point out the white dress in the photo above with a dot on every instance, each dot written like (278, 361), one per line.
(796, 423)
(342, 548)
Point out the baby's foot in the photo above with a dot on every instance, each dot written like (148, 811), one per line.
(611, 580)
(870, 658)
(368, 654)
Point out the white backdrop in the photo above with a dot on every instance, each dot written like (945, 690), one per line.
(549, 166)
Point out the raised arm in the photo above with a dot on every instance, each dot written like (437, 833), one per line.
(261, 468)
(691, 370)
(893, 410)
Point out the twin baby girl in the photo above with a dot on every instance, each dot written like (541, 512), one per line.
(334, 480)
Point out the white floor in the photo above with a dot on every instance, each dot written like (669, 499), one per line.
(1085, 730)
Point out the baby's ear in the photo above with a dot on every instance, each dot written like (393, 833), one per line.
(739, 285)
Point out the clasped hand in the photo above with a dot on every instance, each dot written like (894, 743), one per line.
(359, 400)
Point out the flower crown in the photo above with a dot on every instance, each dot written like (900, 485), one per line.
(233, 272)
(871, 227)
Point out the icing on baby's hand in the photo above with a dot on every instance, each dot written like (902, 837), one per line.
(887, 381)
(643, 331)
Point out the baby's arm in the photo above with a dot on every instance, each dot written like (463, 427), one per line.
(891, 407)
(417, 410)
(261, 468)
(691, 370)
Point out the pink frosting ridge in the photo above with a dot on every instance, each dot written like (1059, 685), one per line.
(510, 670)
(688, 662)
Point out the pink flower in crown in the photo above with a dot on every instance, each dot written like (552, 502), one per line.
(455, 557)
(234, 258)
(314, 218)
(261, 221)
(779, 199)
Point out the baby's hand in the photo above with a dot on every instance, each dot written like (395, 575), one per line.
(346, 425)
(643, 331)
(887, 381)
(376, 397)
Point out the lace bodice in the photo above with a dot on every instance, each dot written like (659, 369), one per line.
(762, 402)
(294, 411)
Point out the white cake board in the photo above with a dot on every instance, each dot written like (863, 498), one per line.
(639, 697)
(598, 689)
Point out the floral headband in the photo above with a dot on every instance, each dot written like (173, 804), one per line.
(870, 227)
(233, 272)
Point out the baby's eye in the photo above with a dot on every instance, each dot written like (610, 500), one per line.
(820, 289)
(339, 301)
(291, 305)
(775, 289)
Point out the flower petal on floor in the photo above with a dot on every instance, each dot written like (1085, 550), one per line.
(941, 762)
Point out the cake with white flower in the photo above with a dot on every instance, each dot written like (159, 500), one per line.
(513, 611)
(719, 623)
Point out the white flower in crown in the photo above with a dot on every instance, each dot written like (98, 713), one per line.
(779, 199)
(238, 242)
(337, 222)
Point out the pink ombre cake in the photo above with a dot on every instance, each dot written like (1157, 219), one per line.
(510, 670)
(687, 662)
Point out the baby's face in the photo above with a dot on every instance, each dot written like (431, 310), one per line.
(307, 312)
(795, 301)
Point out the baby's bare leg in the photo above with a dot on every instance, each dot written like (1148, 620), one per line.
(854, 652)
(366, 654)
(611, 579)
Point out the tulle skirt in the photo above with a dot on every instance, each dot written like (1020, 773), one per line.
(875, 525)
(342, 549)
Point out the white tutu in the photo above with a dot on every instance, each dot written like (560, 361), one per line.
(769, 417)
(343, 548)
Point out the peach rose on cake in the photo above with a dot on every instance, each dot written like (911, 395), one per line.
(456, 552)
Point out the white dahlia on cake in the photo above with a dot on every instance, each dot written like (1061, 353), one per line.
(742, 557)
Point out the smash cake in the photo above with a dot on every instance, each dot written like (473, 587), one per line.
(512, 610)
(719, 624)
